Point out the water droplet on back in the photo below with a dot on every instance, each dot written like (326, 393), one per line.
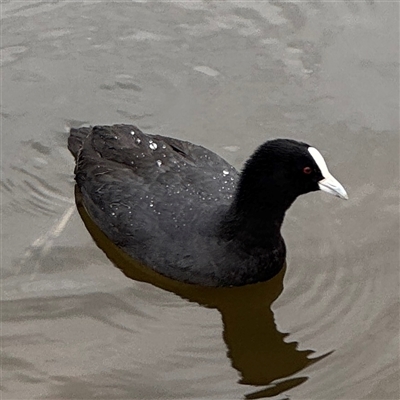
(152, 145)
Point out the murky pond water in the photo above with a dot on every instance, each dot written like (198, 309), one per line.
(80, 321)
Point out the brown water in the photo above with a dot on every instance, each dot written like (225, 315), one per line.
(227, 75)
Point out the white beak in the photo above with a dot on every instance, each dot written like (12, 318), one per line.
(329, 184)
(332, 186)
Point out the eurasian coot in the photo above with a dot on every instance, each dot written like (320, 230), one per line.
(183, 211)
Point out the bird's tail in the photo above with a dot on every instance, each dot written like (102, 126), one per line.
(76, 139)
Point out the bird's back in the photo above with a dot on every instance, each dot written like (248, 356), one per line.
(156, 197)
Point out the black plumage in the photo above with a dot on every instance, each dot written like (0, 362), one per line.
(185, 212)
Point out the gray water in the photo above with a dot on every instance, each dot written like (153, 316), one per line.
(80, 321)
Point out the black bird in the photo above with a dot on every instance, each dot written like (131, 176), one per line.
(183, 211)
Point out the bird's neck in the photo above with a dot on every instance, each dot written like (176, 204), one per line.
(256, 214)
(256, 225)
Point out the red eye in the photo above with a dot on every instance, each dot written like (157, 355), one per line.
(307, 170)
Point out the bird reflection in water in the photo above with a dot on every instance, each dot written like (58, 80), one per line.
(256, 348)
